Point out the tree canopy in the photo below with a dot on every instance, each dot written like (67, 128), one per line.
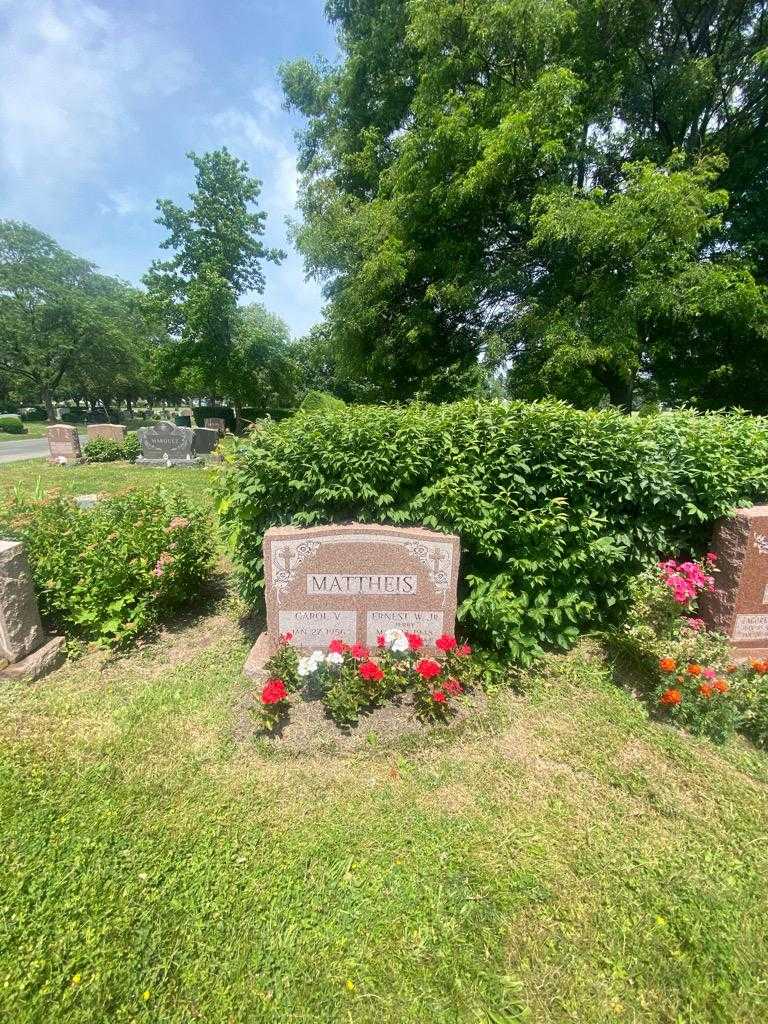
(573, 192)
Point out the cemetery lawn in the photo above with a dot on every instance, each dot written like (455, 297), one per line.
(35, 476)
(33, 430)
(562, 860)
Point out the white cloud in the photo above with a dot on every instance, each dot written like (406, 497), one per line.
(72, 77)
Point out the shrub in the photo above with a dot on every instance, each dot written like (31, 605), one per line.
(318, 401)
(557, 509)
(750, 698)
(104, 449)
(109, 573)
(11, 424)
(685, 667)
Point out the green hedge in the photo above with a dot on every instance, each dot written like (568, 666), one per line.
(556, 508)
(10, 424)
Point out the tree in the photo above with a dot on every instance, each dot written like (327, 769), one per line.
(437, 149)
(259, 370)
(218, 256)
(58, 316)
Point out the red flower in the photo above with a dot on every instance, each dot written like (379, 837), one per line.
(381, 640)
(721, 686)
(336, 646)
(414, 641)
(706, 690)
(454, 687)
(670, 698)
(445, 643)
(428, 668)
(370, 670)
(667, 664)
(274, 691)
(464, 650)
(285, 638)
(694, 669)
(358, 652)
(711, 557)
(438, 696)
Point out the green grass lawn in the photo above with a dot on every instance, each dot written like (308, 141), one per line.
(33, 430)
(562, 860)
(37, 476)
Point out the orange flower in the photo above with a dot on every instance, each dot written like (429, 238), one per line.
(670, 698)
(706, 690)
(667, 664)
(694, 669)
(730, 668)
(721, 686)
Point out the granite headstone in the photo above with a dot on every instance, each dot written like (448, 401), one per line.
(110, 431)
(738, 607)
(63, 443)
(357, 581)
(164, 444)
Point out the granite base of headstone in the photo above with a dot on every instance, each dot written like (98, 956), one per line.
(738, 607)
(167, 445)
(25, 651)
(110, 431)
(204, 440)
(63, 444)
(355, 582)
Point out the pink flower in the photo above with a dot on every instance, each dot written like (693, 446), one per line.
(694, 623)
(463, 650)
(711, 557)
(439, 697)
(177, 523)
(381, 640)
(160, 564)
(336, 646)
(709, 673)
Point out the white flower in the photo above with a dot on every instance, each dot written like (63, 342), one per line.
(334, 658)
(306, 667)
(396, 640)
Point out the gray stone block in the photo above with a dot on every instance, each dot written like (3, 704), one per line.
(21, 630)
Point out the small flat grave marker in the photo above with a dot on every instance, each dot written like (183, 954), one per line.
(63, 443)
(355, 582)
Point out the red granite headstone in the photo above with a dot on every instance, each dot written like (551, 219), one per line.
(738, 608)
(63, 443)
(110, 431)
(355, 582)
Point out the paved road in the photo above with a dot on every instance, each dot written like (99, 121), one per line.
(27, 448)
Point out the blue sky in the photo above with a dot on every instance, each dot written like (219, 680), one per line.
(101, 99)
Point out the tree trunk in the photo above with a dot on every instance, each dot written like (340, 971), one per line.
(238, 417)
(48, 403)
(620, 392)
(129, 407)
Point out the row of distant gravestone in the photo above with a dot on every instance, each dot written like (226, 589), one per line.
(162, 444)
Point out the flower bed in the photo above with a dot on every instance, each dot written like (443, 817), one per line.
(691, 678)
(351, 678)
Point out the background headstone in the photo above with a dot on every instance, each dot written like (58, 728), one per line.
(20, 628)
(355, 582)
(738, 607)
(164, 444)
(217, 423)
(63, 443)
(111, 431)
(204, 441)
